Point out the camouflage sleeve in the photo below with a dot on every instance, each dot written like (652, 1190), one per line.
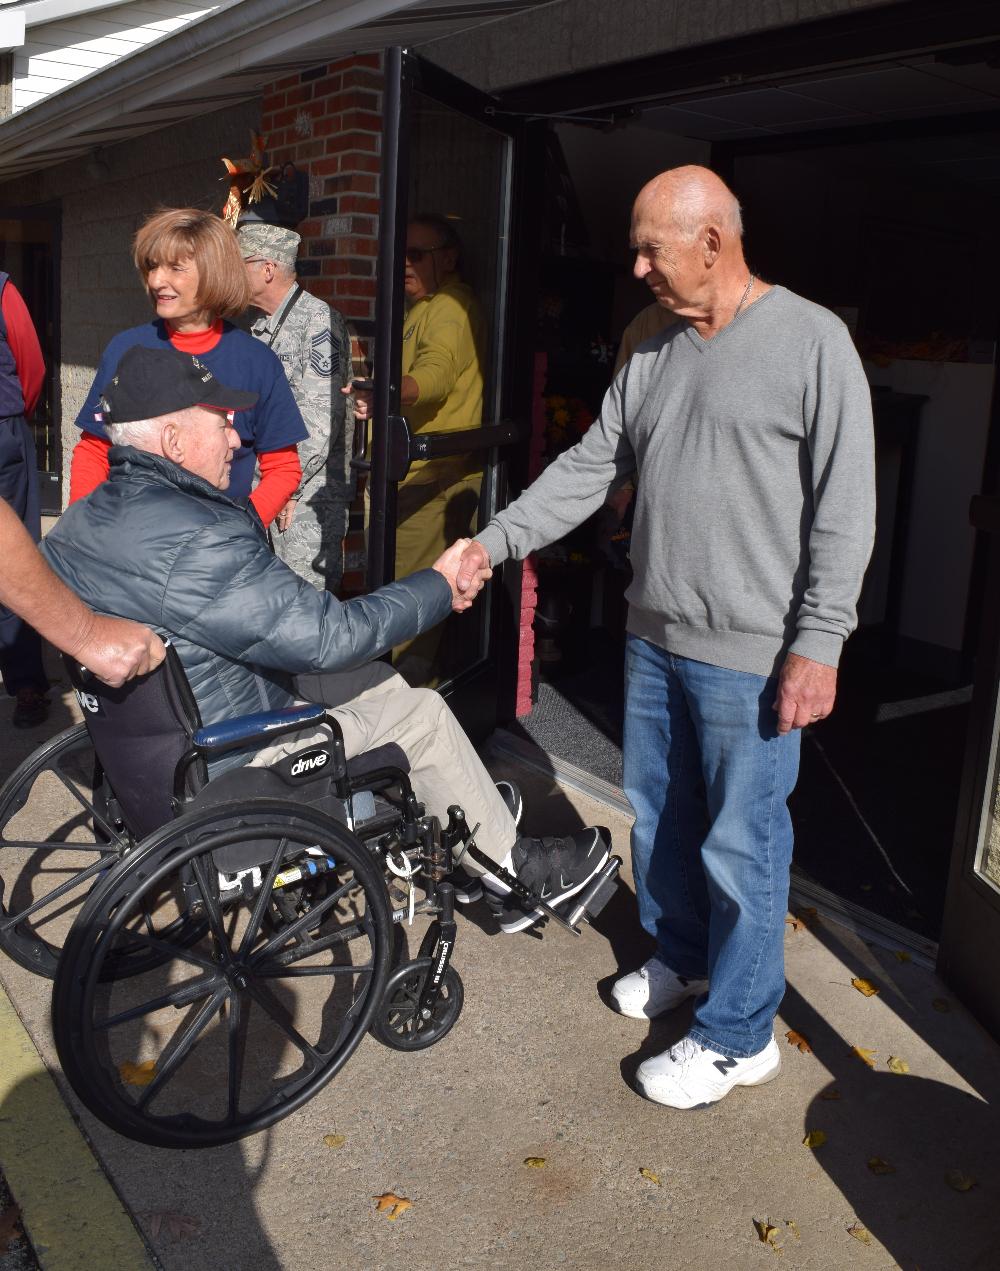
(314, 381)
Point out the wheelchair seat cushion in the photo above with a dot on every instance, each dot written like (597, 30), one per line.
(313, 787)
(240, 784)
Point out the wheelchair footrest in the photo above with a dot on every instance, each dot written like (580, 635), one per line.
(597, 894)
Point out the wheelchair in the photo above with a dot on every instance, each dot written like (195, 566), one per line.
(221, 937)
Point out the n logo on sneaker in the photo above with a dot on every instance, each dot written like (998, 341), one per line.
(725, 1064)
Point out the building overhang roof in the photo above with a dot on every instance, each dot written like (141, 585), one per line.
(226, 57)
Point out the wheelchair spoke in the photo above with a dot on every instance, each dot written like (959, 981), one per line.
(166, 947)
(239, 1014)
(278, 1015)
(284, 957)
(56, 893)
(181, 1047)
(275, 971)
(57, 845)
(183, 995)
(307, 919)
(257, 916)
(212, 908)
(85, 803)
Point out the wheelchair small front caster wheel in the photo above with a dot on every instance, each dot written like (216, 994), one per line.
(398, 1023)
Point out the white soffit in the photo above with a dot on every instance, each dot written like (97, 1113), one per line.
(221, 59)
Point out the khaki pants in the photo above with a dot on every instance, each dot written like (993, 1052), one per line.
(375, 706)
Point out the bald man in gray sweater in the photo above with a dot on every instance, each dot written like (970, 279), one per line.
(748, 426)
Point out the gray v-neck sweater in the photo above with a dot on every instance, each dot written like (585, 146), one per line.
(755, 509)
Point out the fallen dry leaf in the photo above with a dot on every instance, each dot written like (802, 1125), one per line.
(392, 1205)
(535, 1162)
(796, 924)
(941, 1004)
(793, 1227)
(878, 1166)
(334, 1140)
(796, 1039)
(807, 913)
(830, 1095)
(866, 987)
(959, 1181)
(179, 1226)
(895, 1064)
(648, 1173)
(767, 1233)
(901, 955)
(860, 1233)
(137, 1074)
(814, 1138)
(865, 1055)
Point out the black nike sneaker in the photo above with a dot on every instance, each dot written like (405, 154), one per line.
(555, 869)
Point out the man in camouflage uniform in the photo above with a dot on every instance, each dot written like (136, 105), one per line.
(312, 341)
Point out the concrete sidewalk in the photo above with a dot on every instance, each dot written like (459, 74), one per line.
(538, 1066)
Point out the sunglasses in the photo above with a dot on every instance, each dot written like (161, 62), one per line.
(416, 254)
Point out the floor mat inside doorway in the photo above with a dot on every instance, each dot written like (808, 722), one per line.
(576, 724)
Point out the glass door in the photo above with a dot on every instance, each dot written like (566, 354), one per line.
(448, 412)
(969, 953)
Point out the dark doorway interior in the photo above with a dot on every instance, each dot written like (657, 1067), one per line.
(894, 233)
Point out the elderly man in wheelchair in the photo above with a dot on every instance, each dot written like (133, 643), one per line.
(238, 941)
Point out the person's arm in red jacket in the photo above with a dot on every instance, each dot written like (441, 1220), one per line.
(280, 474)
(23, 341)
(89, 465)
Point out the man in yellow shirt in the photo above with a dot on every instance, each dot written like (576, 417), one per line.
(441, 391)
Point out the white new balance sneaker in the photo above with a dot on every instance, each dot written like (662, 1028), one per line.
(690, 1075)
(653, 990)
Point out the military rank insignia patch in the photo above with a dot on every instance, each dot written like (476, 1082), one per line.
(321, 354)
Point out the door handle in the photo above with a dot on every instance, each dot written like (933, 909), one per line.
(406, 446)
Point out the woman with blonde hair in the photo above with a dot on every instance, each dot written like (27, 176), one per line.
(190, 263)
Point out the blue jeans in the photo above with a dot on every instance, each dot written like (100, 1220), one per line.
(709, 779)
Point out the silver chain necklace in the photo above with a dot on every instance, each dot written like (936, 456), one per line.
(743, 298)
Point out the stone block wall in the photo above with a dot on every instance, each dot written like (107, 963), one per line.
(104, 198)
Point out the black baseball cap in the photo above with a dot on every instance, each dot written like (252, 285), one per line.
(152, 382)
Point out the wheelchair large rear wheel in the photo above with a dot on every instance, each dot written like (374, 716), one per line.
(235, 1029)
(57, 835)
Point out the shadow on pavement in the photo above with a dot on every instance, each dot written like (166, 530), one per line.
(67, 1214)
(934, 1138)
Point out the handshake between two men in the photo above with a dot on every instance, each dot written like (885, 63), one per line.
(466, 569)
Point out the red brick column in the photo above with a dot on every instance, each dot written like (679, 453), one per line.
(328, 122)
(529, 576)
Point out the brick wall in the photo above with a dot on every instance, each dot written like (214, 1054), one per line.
(328, 121)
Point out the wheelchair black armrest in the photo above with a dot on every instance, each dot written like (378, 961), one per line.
(234, 734)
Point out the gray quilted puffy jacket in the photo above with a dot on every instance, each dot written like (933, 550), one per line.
(160, 545)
